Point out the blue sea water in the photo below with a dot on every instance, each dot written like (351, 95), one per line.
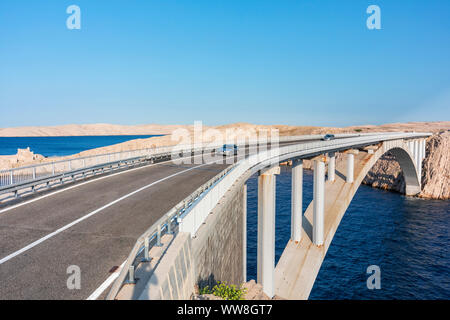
(61, 146)
(407, 238)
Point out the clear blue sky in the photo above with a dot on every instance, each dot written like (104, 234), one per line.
(302, 62)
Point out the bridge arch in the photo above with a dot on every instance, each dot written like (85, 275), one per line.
(410, 173)
(300, 262)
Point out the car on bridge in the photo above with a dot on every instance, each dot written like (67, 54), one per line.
(228, 149)
(328, 137)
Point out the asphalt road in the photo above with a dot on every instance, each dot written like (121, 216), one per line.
(91, 224)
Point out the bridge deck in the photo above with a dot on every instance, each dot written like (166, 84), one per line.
(95, 244)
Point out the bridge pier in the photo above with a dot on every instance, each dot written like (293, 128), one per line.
(421, 157)
(318, 201)
(416, 154)
(244, 236)
(297, 199)
(424, 148)
(266, 229)
(332, 166)
(350, 167)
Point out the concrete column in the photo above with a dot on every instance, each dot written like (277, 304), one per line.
(318, 202)
(419, 160)
(297, 199)
(244, 234)
(266, 230)
(416, 154)
(421, 157)
(332, 167)
(424, 153)
(424, 141)
(350, 167)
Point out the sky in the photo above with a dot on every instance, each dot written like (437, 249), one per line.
(302, 62)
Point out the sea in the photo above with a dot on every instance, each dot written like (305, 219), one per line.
(61, 146)
(407, 238)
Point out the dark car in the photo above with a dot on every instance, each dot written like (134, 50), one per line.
(229, 149)
(328, 137)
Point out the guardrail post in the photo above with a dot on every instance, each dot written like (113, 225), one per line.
(131, 278)
(53, 168)
(146, 250)
(11, 177)
(34, 173)
(169, 226)
(158, 237)
(70, 165)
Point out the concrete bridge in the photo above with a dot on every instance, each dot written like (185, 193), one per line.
(210, 242)
(197, 219)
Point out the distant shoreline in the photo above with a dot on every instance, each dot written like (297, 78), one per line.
(87, 135)
(62, 146)
(100, 129)
(103, 129)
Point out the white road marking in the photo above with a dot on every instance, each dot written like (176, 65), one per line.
(106, 284)
(81, 184)
(50, 235)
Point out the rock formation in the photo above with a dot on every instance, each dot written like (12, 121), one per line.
(436, 167)
(387, 174)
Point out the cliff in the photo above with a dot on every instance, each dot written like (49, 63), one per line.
(387, 174)
(436, 168)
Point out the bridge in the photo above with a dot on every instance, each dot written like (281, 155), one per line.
(143, 227)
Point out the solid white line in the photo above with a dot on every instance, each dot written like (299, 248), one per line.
(106, 284)
(83, 183)
(50, 235)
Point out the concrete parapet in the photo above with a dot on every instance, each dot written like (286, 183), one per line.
(217, 249)
(173, 278)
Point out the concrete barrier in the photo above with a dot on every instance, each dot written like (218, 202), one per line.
(173, 278)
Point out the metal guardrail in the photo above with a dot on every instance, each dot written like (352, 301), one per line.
(47, 169)
(29, 173)
(190, 213)
(69, 176)
(16, 179)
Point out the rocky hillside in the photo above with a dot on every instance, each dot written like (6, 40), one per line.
(436, 168)
(387, 174)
